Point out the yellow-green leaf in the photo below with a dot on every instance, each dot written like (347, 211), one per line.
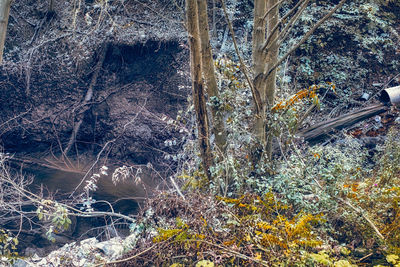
(392, 258)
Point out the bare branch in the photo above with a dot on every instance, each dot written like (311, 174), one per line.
(256, 96)
(306, 36)
(282, 20)
(284, 33)
(88, 97)
(272, 8)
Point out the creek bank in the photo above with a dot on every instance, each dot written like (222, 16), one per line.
(142, 83)
(47, 72)
(47, 69)
(137, 87)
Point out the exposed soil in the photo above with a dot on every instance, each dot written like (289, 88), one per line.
(136, 89)
(50, 59)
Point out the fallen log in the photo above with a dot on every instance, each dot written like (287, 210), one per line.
(317, 132)
(320, 130)
(87, 99)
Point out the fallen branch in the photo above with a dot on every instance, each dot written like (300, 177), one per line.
(319, 130)
(88, 97)
(362, 213)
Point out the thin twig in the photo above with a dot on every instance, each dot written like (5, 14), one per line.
(16, 117)
(363, 258)
(360, 212)
(76, 212)
(240, 255)
(255, 95)
(177, 188)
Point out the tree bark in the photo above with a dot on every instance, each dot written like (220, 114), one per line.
(198, 86)
(209, 76)
(265, 25)
(51, 6)
(259, 22)
(265, 56)
(4, 14)
(259, 64)
(272, 59)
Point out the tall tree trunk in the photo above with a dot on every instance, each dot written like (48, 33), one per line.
(4, 14)
(266, 19)
(209, 75)
(214, 23)
(197, 85)
(272, 53)
(272, 59)
(259, 64)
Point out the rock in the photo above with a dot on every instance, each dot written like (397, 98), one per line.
(365, 97)
(31, 251)
(112, 248)
(20, 263)
(86, 253)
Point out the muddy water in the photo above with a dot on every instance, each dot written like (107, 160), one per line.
(124, 196)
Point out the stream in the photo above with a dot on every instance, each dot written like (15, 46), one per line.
(125, 197)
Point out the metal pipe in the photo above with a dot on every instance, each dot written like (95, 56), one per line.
(391, 95)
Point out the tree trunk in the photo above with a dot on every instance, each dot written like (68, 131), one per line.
(259, 63)
(266, 17)
(209, 76)
(259, 37)
(214, 22)
(51, 6)
(197, 85)
(4, 14)
(272, 59)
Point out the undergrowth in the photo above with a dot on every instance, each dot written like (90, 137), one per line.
(324, 206)
(330, 204)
